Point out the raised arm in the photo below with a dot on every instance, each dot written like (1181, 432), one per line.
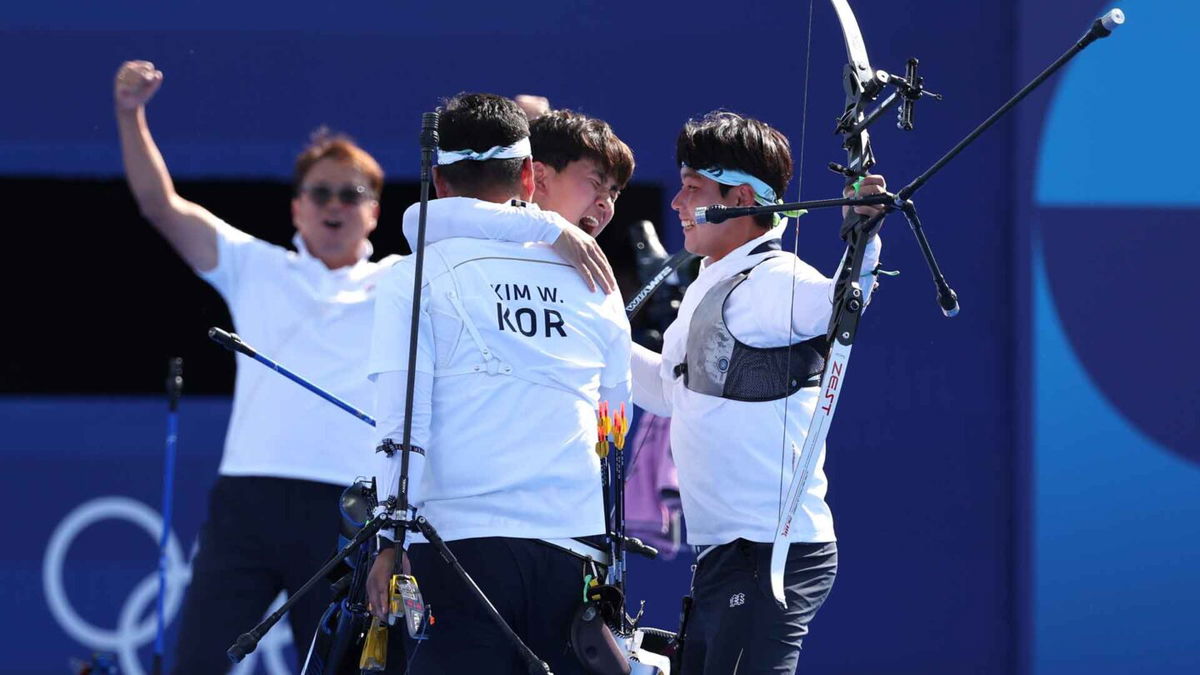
(188, 227)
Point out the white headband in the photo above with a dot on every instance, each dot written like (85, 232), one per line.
(520, 149)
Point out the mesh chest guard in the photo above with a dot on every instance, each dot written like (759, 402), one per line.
(718, 364)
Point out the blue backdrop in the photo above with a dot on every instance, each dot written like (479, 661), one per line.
(1012, 491)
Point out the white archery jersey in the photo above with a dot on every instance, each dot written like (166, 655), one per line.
(519, 351)
(736, 458)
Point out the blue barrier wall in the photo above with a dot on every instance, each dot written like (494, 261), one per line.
(82, 488)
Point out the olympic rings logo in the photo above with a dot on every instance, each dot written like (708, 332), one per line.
(136, 622)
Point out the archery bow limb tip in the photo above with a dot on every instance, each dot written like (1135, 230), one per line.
(779, 554)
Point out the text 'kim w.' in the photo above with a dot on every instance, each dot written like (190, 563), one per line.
(528, 321)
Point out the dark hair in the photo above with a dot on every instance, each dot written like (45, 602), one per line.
(560, 137)
(728, 140)
(480, 122)
(325, 144)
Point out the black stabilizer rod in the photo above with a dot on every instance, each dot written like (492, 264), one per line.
(947, 299)
(719, 214)
(902, 200)
(1100, 28)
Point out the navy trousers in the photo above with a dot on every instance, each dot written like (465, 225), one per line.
(263, 535)
(735, 625)
(535, 587)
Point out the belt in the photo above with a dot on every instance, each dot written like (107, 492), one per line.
(581, 549)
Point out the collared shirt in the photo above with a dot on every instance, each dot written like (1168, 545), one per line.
(316, 322)
(735, 458)
(519, 351)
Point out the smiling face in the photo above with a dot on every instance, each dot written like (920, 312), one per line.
(334, 231)
(581, 192)
(713, 240)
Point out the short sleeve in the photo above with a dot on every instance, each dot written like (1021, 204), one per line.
(236, 252)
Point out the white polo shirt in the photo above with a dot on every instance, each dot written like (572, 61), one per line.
(730, 454)
(519, 351)
(315, 322)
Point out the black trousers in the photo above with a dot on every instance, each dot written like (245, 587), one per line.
(263, 535)
(736, 626)
(535, 587)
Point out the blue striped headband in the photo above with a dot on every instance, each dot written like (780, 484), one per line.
(520, 149)
(763, 193)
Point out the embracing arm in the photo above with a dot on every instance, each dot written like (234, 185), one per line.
(477, 219)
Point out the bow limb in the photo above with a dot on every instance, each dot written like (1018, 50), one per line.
(856, 49)
(861, 86)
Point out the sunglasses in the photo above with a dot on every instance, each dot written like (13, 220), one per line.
(348, 195)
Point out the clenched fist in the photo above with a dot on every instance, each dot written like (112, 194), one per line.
(135, 84)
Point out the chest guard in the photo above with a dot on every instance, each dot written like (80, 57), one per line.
(718, 364)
